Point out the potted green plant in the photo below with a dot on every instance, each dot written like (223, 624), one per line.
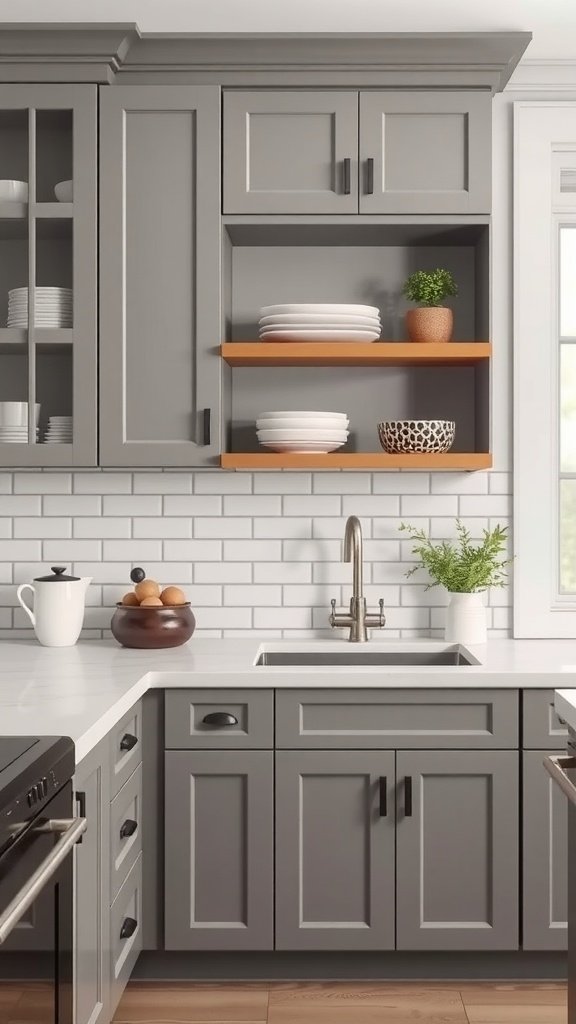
(431, 321)
(466, 570)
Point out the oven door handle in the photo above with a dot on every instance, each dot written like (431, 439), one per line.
(556, 766)
(70, 830)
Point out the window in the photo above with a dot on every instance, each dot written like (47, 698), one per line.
(545, 370)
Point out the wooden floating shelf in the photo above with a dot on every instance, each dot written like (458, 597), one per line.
(465, 461)
(383, 353)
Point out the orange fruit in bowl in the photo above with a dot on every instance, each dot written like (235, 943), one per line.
(130, 599)
(173, 596)
(151, 602)
(147, 588)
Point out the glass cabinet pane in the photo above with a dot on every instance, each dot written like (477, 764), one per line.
(54, 135)
(568, 282)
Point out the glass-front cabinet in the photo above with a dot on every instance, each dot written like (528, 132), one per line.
(48, 283)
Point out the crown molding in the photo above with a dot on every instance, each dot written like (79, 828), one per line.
(64, 52)
(542, 76)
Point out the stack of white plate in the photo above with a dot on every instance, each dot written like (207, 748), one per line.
(59, 430)
(312, 432)
(15, 435)
(53, 307)
(317, 321)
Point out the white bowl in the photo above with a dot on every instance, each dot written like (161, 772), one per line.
(15, 414)
(302, 435)
(64, 191)
(303, 447)
(320, 307)
(328, 319)
(305, 414)
(303, 424)
(12, 191)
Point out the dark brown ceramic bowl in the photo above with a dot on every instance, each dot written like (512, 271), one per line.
(149, 628)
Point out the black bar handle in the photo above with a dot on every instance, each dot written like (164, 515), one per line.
(128, 741)
(207, 425)
(80, 798)
(128, 828)
(347, 176)
(129, 926)
(383, 790)
(220, 718)
(370, 176)
(408, 796)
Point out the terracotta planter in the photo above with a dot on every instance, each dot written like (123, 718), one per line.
(431, 324)
(151, 628)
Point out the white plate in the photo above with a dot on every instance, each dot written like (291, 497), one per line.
(360, 336)
(294, 434)
(338, 308)
(303, 447)
(290, 413)
(303, 424)
(41, 290)
(321, 318)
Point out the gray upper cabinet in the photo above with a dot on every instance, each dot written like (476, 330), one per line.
(334, 850)
(425, 152)
(218, 852)
(457, 850)
(545, 851)
(290, 152)
(159, 275)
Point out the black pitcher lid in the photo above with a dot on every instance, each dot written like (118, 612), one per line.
(58, 575)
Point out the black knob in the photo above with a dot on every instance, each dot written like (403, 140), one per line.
(128, 741)
(129, 926)
(58, 569)
(137, 575)
(128, 828)
(220, 718)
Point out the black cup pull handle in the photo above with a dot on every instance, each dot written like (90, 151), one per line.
(80, 798)
(128, 828)
(207, 426)
(220, 718)
(129, 926)
(408, 796)
(383, 792)
(370, 176)
(128, 741)
(347, 176)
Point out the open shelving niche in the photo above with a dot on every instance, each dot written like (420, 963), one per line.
(275, 259)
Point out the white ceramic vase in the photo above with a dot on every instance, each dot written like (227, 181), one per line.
(466, 619)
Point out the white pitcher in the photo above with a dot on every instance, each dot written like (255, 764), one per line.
(59, 602)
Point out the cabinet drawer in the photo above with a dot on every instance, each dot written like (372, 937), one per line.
(397, 719)
(125, 933)
(220, 719)
(126, 748)
(542, 729)
(125, 830)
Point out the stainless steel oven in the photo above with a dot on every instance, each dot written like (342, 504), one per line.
(37, 834)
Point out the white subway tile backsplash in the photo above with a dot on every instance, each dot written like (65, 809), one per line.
(253, 551)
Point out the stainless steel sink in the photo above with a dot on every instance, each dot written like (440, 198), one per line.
(447, 656)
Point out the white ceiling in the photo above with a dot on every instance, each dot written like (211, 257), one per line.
(553, 22)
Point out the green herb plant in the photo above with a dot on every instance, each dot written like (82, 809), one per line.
(430, 288)
(461, 567)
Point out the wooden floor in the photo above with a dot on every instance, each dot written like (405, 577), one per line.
(341, 1003)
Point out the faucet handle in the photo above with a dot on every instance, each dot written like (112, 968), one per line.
(382, 616)
(332, 619)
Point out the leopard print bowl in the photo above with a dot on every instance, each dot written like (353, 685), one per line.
(399, 437)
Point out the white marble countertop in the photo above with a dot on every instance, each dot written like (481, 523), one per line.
(83, 691)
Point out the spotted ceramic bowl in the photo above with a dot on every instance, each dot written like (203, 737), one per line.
(400, 437)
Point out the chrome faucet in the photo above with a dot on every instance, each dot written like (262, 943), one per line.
(357, 619)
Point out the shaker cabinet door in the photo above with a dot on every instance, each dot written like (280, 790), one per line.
(290, 152)
(544, 857)
(159, 275)
(218, 853)
(335, 850)
(425, 152)
(457, 850)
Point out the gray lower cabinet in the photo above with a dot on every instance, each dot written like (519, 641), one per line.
(92, 889)
(159, 275)
(425, 152)
(335, 850)
(545, 851)
(290, 151)
(457, 850)
(219, 849)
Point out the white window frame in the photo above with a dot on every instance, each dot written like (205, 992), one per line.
(544, 139)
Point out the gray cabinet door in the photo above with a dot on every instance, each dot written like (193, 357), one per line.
(544, 857)
(159, 275)
(92, 891)
(425, 152)
(218, 853)
(335, 850)
(290, 152)
(457, 850)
